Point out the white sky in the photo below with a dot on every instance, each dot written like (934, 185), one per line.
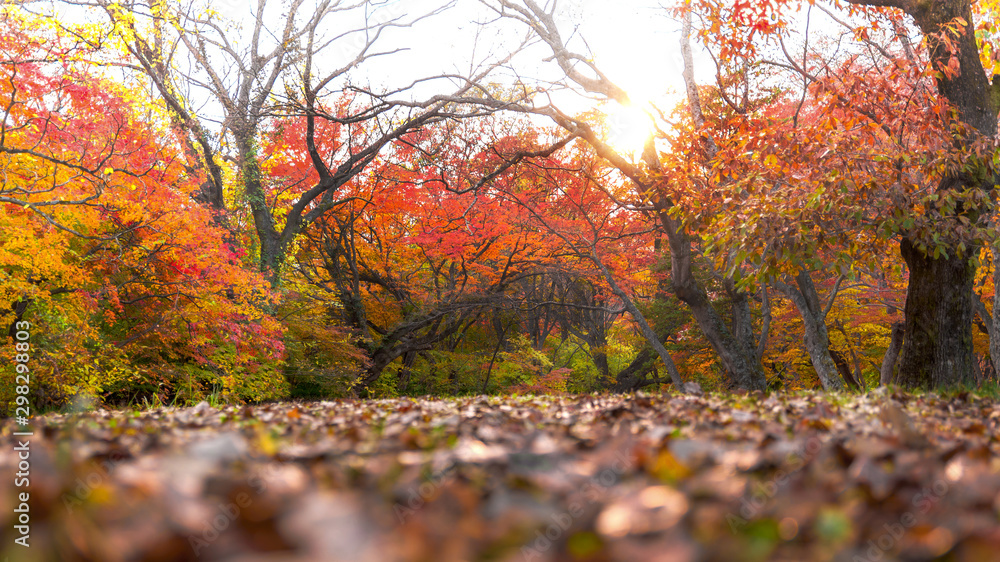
(634, 42)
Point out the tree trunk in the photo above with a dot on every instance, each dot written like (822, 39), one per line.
(19, 307)
(272, 248)
(891, 355)
(647, 332)
(937, 350)
(816, 337)
(765, 323)
(272, 256)
(386, 353)
(380, 359)
(845, 369)
(406, 369)
(740, 360)
(817, 342)
(598, 343)
(742, 318)
(631, 377)
(741, 365)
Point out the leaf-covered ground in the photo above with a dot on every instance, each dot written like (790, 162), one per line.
(645, 478)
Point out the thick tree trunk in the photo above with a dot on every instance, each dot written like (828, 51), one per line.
(272, 256)
(937, 350)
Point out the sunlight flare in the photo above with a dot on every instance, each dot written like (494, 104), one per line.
(629, 127)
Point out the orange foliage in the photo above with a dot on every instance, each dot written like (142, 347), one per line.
(111, 261)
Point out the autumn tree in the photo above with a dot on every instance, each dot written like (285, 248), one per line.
(930, 156)
(582, 206)
(929, 152)
(413, 256)
(937, 348)
(736, 344)
(99, 245)
(291, 61)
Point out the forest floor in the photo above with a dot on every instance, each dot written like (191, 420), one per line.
(674, 478)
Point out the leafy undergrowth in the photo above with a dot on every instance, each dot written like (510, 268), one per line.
(672, 478)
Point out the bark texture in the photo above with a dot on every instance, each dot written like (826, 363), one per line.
(937, 350)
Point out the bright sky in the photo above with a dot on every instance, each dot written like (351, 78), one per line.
(637, 45)
(635, 42)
